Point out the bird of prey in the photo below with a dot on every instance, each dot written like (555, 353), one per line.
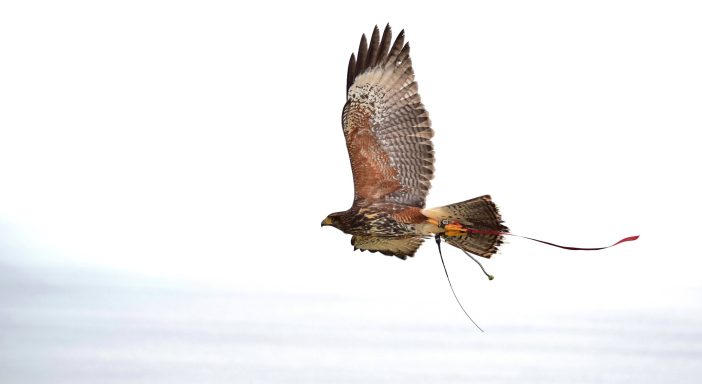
(388, 136)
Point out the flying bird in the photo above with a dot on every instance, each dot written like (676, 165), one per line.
(388, 136)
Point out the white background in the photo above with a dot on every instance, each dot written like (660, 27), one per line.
(200, 143)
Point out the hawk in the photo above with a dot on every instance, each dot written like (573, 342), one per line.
(388, 136)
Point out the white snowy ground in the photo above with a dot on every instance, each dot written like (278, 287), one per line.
(67, 325)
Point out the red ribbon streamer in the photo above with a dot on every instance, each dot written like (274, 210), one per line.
(489, 232)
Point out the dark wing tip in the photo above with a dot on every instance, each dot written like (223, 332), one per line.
(376, 53)
(362, 55)
(373, 48)
(351, 74)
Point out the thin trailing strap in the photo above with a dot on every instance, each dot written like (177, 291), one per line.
(498, 233)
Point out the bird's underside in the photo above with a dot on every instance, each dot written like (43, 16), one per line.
(388, 136)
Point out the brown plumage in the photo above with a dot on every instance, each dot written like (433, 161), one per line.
(388, 136)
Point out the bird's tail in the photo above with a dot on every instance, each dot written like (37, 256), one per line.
(473, 225)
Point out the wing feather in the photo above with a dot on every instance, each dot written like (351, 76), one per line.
(387, 129)
(351, 72)
(384, 44)
(362, 54)
(401, 247)
(373, 48)
(396, 47)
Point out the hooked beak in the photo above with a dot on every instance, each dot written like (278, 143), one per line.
(326, 221)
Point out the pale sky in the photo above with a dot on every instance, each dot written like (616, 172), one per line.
(201, 142)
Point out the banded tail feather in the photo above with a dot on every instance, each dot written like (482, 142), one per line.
(479, 213)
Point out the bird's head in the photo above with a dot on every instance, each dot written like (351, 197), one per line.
(332, 220)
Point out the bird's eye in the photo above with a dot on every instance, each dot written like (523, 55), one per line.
(444, 221)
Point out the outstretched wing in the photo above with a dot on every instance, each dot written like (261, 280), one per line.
(401, 247)
(388, 131)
